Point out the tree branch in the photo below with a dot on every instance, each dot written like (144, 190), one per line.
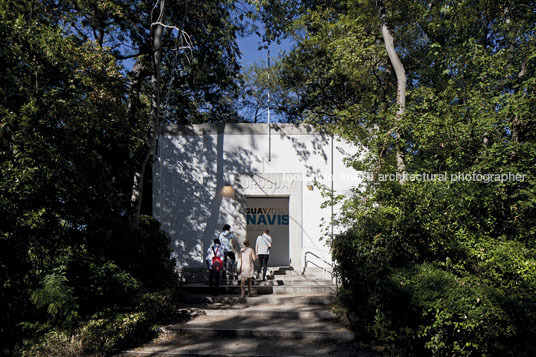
(400, 76)
(130, 56)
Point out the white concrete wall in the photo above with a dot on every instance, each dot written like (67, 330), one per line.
(193, 164)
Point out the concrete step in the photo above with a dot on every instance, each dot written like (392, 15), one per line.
(299, 281)
(200, 275)
(258, 325)
(265, 287)
(293, 289)
(290, 278)
(213, 332)
(297, 275)
(261, 289)
(287, 279)
(183, 345)
(296, 318)
(278, 281)
(234, 289)
(289, 315)
(281, 268)
(272, 312)
(312, 299)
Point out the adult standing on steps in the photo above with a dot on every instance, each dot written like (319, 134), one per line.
(227, 239)
(245, 267)
(262, 248)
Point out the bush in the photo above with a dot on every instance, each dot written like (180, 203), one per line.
(454, 315)
(107, 332)
(54, 343)
(427, 279)
(146, 253)
(102, 299)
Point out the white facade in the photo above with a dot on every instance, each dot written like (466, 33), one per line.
(195, 165)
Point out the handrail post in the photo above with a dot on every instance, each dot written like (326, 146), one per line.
(324, 270)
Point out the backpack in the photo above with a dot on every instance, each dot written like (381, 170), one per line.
(217, 263)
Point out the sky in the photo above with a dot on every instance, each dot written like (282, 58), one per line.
(250, 52)
(249, 47)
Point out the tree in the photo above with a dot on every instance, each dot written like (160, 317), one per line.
(400, 76)
(259, 82)
(437, 262)
(62, 115)
(254, 93)
(72, 135)
(196, 64)
(157, 31)
(212, 69)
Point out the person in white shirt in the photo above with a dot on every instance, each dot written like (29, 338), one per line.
(226, 238)
(262, 249)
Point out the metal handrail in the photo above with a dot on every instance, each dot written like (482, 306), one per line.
(324, 270)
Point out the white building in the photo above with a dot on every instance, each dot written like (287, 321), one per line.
(251, 177)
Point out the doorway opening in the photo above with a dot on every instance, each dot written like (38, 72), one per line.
(271, 213)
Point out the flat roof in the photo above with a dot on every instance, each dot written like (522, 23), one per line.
(241, 129)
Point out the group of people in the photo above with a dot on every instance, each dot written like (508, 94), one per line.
(223, 250)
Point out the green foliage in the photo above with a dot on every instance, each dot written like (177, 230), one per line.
(107, 332)
(102, 304)
(146, 252)
(478, 299)
(68, 250)
(202, 82)
(428, 267)
(457, 315)
(73, 128)
(433, 272)
(55, 343)
(57, 296)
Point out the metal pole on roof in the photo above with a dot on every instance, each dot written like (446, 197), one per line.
(269, 124)
(332, 188)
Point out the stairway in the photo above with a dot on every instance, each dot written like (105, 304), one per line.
(289, 315)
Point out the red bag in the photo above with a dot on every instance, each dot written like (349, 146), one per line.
(217, 264)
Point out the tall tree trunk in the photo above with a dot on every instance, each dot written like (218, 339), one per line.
(138, 73)
(517, 124)
(400, 78)
(154, 128)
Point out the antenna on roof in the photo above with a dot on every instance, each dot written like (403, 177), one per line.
(269, 124)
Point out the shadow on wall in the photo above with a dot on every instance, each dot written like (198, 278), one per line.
(193, 171)
(319, 147)
(191, 174)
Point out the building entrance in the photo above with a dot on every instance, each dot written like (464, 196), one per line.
(271, 213)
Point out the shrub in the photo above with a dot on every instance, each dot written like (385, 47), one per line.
(424, 278)
(453, 315)
(55, 343)
(101, 299)
(107, 332)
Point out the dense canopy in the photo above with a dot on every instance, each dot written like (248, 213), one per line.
(436, 252)
(444, 261)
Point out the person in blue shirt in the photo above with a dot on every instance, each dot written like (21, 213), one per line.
(216, 250)
(227, 240)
